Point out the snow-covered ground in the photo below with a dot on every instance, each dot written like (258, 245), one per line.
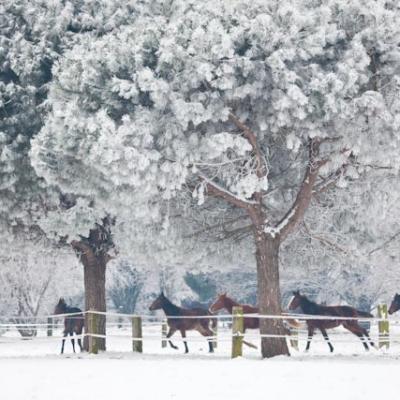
(32, 369)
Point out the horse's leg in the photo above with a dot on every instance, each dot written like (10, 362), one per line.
(80, 344)
(72, 340)
(208, 333)
(356, 330)
(366, 334)
(183, 333)
(78, 331)
(326, 337)
(310, 335)
(169, 334)
(63, 341)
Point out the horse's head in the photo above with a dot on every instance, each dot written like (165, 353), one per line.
(60, 307)
(158, 303)
(295, 301)
(395, 305)
(218, 304)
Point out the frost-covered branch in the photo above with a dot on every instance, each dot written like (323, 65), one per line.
(218, 191)
(261, 169)
(304, 195)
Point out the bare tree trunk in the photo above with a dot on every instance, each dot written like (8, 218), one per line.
(94, 270)
(269, 297)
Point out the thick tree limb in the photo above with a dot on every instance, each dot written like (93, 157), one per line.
(261, 167)
(252, 138)
(218, 191)
(304, 195)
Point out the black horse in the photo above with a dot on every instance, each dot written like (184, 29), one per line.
(72, 324)
(309, 307)
(182, 325)
(395, 305)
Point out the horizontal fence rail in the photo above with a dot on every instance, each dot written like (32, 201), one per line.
(283, 316)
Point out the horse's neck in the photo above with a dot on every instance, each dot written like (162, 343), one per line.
(229, 304)
(170, 308)
(67, 309)
(309, 307)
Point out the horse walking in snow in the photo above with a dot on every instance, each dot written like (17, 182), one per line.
(225, 302)
(182, 325)
(72, 324)
(309, 307)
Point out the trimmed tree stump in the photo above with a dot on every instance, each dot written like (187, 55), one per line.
(383, 326)
(237, 332)
(92, 325)
(137, 337)
(164, 330)
(50, 326)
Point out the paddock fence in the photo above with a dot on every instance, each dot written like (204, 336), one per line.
(140, 329)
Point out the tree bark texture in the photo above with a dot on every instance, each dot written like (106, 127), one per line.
(95, 295)
(269, 296)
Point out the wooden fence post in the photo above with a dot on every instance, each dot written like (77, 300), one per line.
(92, 327)
(164, 330)
(383, 326)
(237, 332)
(137, 337)
(215, 339)
(49, 326)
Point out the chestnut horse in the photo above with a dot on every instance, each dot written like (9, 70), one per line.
(182, 325)
(72, 324)
(395, 305)
(309, 307)
(225, 302)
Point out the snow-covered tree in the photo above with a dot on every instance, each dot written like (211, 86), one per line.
(255, 108)
(33, 34)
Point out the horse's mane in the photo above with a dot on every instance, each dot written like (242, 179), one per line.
(171, 307)
(308, 306)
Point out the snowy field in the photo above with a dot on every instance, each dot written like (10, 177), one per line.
(33, 369)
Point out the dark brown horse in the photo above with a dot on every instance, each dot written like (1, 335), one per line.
(395, 305)
(182, 325)
(309, 307)
(72, 324)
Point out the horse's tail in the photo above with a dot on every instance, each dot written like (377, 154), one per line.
(364, 314)
(293, 323)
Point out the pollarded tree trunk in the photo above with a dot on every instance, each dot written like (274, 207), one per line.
(94, 268)
(269, 297)
(93, 253)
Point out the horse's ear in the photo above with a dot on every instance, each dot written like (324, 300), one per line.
(296, 293)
